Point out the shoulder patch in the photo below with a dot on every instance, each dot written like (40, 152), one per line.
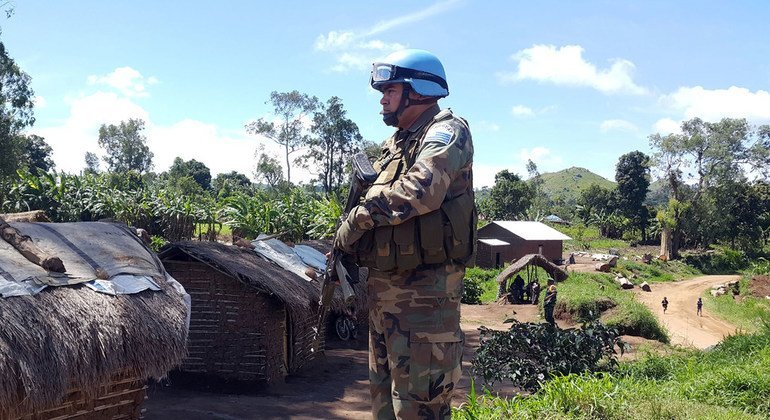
(441, 133)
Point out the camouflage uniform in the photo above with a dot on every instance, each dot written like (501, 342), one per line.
(415, 341)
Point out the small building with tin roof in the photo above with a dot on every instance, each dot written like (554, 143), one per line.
(506, 241)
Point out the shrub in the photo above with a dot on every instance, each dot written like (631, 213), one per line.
(480, 285)
(528, 354)
(723, 260)
(472, 291)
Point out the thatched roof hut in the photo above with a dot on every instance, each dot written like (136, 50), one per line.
(70, 350)
(532, 260)
(251, 320)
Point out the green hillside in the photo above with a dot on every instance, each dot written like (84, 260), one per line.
(567, 184)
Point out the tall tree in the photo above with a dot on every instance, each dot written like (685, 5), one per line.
(126, 147)
(596, 200)
(92, 163)
(16, 113)
(36, 153)
(268, 169)
(225, 185)
(193, 169)
(335, 139)
(291, 108)
(711, 156)
(632, 173)
(540, 201)
(509, 198)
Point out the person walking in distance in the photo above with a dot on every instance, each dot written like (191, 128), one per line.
(700, 306)
(415, 229)
(664, 302)
(549, 301)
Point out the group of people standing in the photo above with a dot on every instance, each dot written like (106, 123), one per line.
(698, 306)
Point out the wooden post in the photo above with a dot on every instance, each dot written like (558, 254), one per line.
(28, 249)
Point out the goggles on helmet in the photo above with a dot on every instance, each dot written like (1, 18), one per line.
(383, 72)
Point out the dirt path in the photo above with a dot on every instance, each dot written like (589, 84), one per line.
(338, 388)
(684, 326)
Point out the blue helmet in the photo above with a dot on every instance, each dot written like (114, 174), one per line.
(418, 68)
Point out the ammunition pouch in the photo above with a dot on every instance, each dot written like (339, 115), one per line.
(448, 233)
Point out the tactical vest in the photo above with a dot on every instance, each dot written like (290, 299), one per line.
(434, 238)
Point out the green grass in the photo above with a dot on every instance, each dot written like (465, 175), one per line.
(732, 381)
(585, 295)
(486, 280)
(656, 271)
(748, 313)
(203, 228)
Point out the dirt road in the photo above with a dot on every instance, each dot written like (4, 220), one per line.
(684, 326)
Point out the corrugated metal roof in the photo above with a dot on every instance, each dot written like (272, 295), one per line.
(493, 242)
(532, 231)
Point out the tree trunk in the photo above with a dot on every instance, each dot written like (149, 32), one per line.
(666, 244)
(29, 250)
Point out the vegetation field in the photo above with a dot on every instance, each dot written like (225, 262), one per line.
(731, 381)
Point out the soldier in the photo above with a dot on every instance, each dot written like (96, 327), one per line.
(549, 301)
(416, 231)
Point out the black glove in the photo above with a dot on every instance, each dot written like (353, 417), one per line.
(348, 234)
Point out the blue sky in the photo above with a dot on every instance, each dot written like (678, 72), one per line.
(564, 83)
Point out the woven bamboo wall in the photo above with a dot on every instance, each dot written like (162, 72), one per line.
(235, 332)
(122, 398)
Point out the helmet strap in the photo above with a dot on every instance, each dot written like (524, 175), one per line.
(391, 118)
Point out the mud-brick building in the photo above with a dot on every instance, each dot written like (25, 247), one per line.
(501, 242)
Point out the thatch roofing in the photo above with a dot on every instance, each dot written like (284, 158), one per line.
(532, 259)
(299, 294)
(72, 336)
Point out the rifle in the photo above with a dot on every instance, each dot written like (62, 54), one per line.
(341, 269)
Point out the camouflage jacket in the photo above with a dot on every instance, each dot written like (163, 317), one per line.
(439, 150)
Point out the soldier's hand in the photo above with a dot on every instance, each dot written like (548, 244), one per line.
(348, 234)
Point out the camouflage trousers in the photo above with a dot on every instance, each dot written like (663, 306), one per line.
(415, 342)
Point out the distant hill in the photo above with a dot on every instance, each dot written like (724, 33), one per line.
(569, 183)
(658, 193)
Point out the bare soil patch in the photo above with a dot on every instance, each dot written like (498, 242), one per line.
(684, 326)
(336, 388)
(759, 286)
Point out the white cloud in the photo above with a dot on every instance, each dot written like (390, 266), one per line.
(126, 80)
(423, 14)
(484, 175)
(521, 111)
(189, 139)
(713, 105)
(667, 126)
(566, 66)
(334, 40)
(39, 102)
(80, 131)
(539, 154)
(221, 152)
(617, 125)
(357, 50)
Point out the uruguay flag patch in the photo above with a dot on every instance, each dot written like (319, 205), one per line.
(441, 133)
